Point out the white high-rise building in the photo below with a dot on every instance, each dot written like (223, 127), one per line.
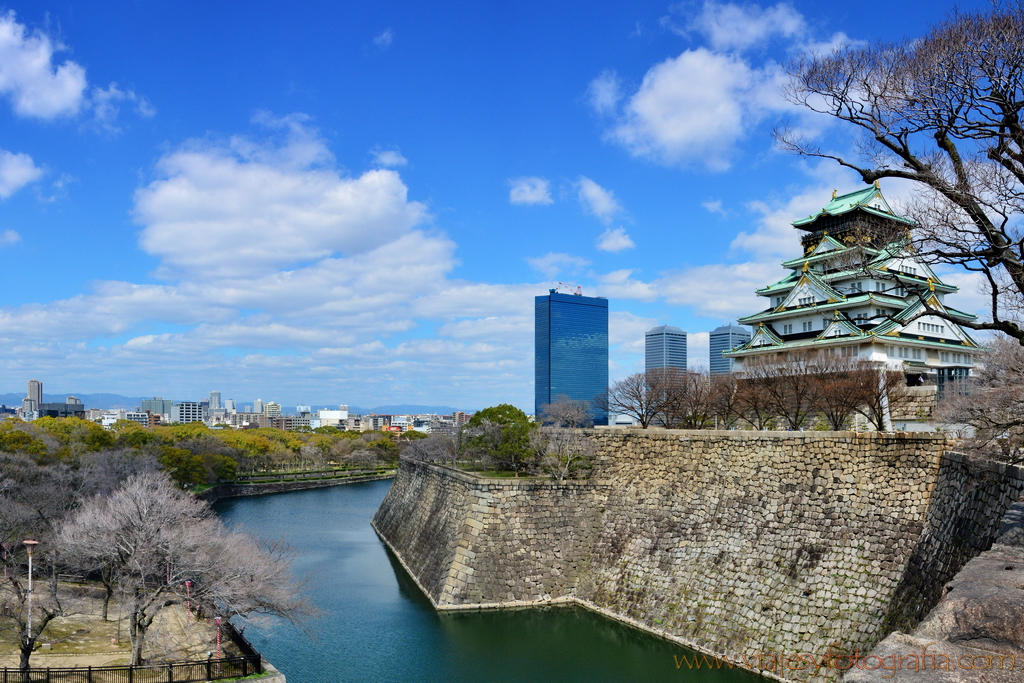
(35, 392)
(722, 339)
(215, 400)
(257, 407)
(229, 405)
(665, 347)
(187, 411)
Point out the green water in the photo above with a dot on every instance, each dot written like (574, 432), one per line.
(376, 625)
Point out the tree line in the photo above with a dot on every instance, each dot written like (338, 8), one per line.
(802, 391)
(194, 454)
(503, 439)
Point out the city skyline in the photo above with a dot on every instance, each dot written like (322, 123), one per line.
(196, 205)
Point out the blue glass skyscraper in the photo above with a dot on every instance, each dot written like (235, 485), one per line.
(571, 349)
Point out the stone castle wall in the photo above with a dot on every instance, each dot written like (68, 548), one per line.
(733, 543)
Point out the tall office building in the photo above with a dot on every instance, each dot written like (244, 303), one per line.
(257, 407)
(725, 338)
(571, 351)
(35, 391)
(215, 400)
(187, 411)
(158, 406)
(665, 347)
(229, 405)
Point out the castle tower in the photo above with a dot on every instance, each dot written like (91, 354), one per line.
(852, 291)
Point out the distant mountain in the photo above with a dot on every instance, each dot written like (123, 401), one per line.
(400, 409)
(407, 408)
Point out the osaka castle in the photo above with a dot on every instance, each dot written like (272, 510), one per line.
(854, 291)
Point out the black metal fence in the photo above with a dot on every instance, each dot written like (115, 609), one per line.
(172, 672)
(210, 669)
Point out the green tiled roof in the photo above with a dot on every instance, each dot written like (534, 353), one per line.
(868, 199)
(850, 302)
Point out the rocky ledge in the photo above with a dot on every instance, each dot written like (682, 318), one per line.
(975, 633)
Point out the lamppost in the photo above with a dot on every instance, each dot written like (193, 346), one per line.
(29, 545)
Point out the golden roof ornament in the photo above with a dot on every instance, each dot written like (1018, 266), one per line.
(834, 193)
(806, 266)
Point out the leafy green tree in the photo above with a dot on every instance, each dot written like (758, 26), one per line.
(186, 468)
(16, 437)
(220, 467)
(502, 435)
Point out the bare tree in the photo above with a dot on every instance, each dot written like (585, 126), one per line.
(725, 400)
(687, 398)
(992, 403)
(153, 537)
(839, 388)
(753, 403)
(639, 396)
(565, 412)
(788, 386)
(565, 452)
(881, 390)
(30, 616)
(943, 111)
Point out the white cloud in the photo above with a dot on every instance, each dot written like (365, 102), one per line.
(551, 264)
(389, 158)
(317, 323)
(36, 85)
(615, 240)
(626, 330)
(775, 238)
(728, 26)
(619, 284)
(243, 208)
(529, 190)
(605, 92)
(714, 206)
(692, 109)
(384, 40)
(597, 201)
(106, 106)
(16, 171)
(718, 290)
(9, 238)
(698, 350)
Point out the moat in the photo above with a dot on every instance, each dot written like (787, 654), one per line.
(376, 625)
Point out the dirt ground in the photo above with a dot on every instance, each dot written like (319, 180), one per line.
(83, 638)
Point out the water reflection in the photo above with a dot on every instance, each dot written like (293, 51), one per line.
(378, 626)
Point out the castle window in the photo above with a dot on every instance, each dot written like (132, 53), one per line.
(807, 326)
(805, 300)
(787, 329)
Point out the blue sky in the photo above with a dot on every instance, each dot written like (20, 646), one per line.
(357, 202)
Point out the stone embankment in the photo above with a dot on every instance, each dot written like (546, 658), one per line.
(975, 633)
(215, 493)
(744, 545)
